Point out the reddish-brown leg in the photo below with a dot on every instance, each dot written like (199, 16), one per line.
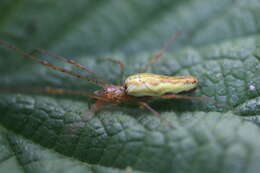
(49, 65)
(145, 105)
(158, 55)
(121, 65)
(97, 106)
(173, 96)
(54, 91)
(70, 61)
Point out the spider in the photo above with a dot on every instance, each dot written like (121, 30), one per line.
(138, 88)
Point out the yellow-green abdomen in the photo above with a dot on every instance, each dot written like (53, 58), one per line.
(148, 84)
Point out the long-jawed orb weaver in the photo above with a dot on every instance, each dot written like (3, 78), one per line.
(138, 88)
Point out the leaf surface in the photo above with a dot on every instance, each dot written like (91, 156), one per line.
(219, 44)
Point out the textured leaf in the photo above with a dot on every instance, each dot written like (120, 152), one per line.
(145, 143)
(219, 44)
(19, 155)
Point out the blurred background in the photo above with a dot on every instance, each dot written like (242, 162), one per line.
(87, 27)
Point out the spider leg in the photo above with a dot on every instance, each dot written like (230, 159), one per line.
(121, 65)
(145, 105)
(49, 65)
(54, 91)
(70, 61)
(161, 52)
(97, 106)
(173, 96)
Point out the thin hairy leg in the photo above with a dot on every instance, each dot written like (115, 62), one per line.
(173, 96)
(70, 61)
(97, 106)
(121, 65)
(53, 91)
(161, 52)
(49, 65)
(145, 105)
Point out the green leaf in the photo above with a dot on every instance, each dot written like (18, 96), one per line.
(18, 154)
(219, 44)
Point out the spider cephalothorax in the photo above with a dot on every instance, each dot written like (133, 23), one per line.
(114, 94)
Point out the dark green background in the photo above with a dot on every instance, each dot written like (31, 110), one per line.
(219, 44)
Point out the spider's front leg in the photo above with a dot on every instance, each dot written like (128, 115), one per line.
(145, 105)
(97, 106)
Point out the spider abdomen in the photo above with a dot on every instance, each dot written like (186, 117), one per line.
(148, 84)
